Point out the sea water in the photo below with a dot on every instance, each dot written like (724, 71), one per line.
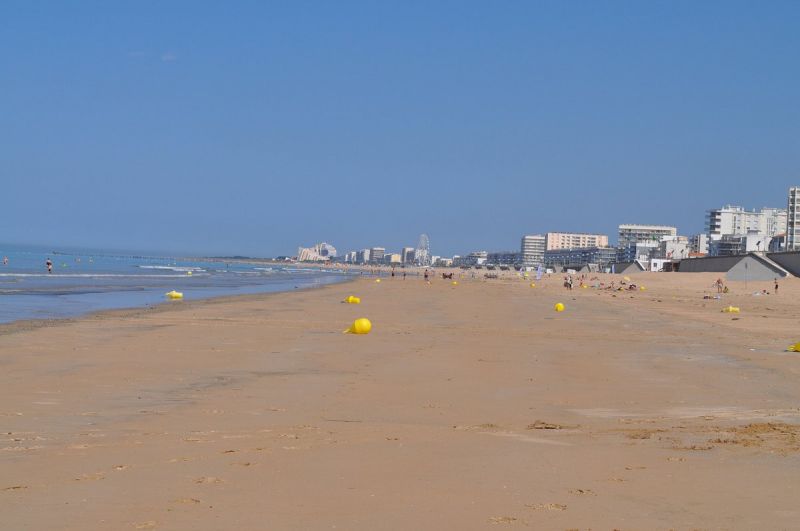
(85, 281)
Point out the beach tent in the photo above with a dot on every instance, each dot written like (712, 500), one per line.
(626, 268)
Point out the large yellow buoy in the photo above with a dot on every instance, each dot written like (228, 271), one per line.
(455, 283)
(793, 348)
(352, 300)
(174, 295)
(377, 281)
(359, 326)
(642, 288)
(731, 309)
(559, 307)
(533, 284)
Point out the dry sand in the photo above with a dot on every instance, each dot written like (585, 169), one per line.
(473, 406)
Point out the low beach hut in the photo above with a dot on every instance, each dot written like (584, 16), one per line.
(751, 266)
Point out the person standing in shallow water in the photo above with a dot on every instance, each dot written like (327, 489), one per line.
(49, 265)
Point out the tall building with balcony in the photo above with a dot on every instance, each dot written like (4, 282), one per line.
(793, 220)
(574, 240)
(599, 256)
(748, 230)
(532, 248)
(631, 233)
(376, 255)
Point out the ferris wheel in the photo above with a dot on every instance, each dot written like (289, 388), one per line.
(422, 255)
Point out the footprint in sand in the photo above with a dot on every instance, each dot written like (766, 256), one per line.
(186, 500)
(546, 506)
(91, 477)
(208, 480)
(146, 525)
(582, 492)
(16, 487)
(121, 467)
(502, 520)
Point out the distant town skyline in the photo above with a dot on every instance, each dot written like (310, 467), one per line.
(259, 127)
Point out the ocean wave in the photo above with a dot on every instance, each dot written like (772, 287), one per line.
(174, 268)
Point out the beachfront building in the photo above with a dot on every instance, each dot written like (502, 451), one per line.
(778, 243)
(576, 258)
(505, 258)
(574, 240)
(641, 251)
(376, 255)
(532, 249)
(439, 261)
(475, 258)
(362, 256)
(672, 248)
(392, 258)
(743, 229)
(632, 233)
(698, 244)
(407, 255)
(731, 244)
(793, 220)
(320, 252)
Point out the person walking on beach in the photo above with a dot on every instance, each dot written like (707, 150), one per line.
(719, 285)
(776, 286)
(49, 265)
(426, 275)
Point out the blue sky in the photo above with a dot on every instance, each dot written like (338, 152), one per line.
(253, 127)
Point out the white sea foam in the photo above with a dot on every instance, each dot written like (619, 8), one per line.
(173, 268)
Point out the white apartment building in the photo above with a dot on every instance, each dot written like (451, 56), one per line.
(574, 240)
(699, 243)
(793, 220)
(532, 248)
(376, 255)
(735, 220)
(632, 233)
(673, 248)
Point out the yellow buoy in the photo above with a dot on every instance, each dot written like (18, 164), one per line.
(584, 286)
(455, 283)
(793, 348)
(174, 294)
(377, 281)
(359, 326)
(731, 309)
(533, 284)
(189, 273)
(642, 288)
(559, 307)
(627, 279)
(352, 300)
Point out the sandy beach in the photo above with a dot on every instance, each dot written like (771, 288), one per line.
(469, 406)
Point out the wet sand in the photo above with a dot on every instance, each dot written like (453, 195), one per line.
(473, 406)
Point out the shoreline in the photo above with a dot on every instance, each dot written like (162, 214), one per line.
(22, 325)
